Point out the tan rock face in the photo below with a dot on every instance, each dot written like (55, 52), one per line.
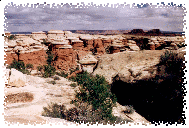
(36, 58)
(106, 42)
(114, 49)
(39, 35)
(16, 79)
(77, 44)
(88, 43)
(66, 59)
(99, 46)
(151, 46)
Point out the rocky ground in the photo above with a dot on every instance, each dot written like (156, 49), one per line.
(43, 95)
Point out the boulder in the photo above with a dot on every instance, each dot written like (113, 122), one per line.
(88, 59)
(16, 79)
(8, 49)
(88, 63)
(133, 47)
(88, 68)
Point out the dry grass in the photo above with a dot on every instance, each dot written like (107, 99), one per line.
(19, 97)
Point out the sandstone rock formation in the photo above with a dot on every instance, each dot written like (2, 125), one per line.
(66, 58)
(123, 112)
(132, 45)
(55, 34)
(66, 45)
(116, 47)
(88, 63)
(34, 57)
(16, 78)
(39, 35)
(128, 66)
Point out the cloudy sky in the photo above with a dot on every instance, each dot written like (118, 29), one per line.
(43, 17)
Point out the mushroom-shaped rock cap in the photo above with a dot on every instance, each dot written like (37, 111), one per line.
(88, 59)
(116, 45)
(153, 39)
(68, 32)
(65, 46)
(117, 41)
(86, 37)
(156, 42)
(72, 38)
(77, 40)
(55, 32)
(60, 42)
(40, 32)
(151, 43)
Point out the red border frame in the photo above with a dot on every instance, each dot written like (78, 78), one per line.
(3, 3)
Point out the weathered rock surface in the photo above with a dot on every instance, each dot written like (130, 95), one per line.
(16, 78)
(44, 94)
(67, 46)
(66, 59)
(129, 66)
(132, 117)
(36, 58)
(88, 63)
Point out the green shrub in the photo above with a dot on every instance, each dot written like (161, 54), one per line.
(11, 37)
(73, 84)
(29, 67)
(39, 68)
(45, 42)
(50, 57)
(48, 71)
(62, 74)
(52, 82)
(79, 114)
(173, 63)
(54, 110)
(19, 65)
(107, 50)
(96, 92)
(56, 78)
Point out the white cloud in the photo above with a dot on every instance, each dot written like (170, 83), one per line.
(167, 19)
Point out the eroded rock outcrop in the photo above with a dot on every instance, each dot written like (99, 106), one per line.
(36, 57)
(88, 62)
(128, 66)
(66, 45)
(15, 78)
